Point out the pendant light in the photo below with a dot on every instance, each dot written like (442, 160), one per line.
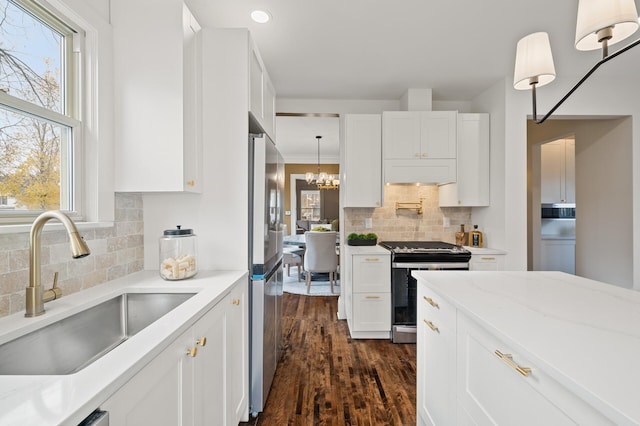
(322, 180)
(600, 24)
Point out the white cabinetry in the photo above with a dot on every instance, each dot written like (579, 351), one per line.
(472, 185)
(558, 255)
(498, 384)
(361, 160)
(368, 292)
(486, 262)
(476, 364)
(158, 86)
(262, 95)
(436, 393)
(419, 146)
(557, 170)
(199, 379)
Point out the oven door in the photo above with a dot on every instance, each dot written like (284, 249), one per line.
(404, 295)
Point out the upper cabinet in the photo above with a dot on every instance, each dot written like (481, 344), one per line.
(361, 160)
(262, 95)
(419, 146)
(472, 185)
(557, 171)
(158, 105)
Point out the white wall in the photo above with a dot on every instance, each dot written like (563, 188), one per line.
(219, 216)
(491, 219)
(604, 214)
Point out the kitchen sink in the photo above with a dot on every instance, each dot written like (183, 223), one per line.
(70, 344)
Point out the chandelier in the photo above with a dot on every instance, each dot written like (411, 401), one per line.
(600, 24)
(322, 180)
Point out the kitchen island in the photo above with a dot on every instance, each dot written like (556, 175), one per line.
(120, 380)
(526, 348)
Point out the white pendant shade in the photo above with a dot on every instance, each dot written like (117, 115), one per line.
(533, 59)
(594, 15)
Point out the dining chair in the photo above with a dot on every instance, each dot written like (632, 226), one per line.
(291, 257)
(320, 255)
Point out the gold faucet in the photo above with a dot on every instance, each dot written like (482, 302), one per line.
(35, 297)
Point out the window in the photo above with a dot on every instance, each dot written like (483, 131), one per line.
(310, 205)
(40, 127)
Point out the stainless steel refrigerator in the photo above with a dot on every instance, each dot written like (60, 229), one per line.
(266, 189)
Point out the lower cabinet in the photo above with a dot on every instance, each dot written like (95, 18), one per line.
(499, 385)
(486, 262)
(367, 292)
(200, 379)
(436, 349)
(466, 375)
(558, 255)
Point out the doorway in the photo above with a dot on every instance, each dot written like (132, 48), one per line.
(603, 193)
(310, 203)
(557, 236)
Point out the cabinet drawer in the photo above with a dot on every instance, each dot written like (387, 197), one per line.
(498, 385)
(372, 312)
(435, 308)
(371, 274)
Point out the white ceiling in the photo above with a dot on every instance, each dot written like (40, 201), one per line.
(377, 49)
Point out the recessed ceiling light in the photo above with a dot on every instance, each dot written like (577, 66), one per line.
(261, 16)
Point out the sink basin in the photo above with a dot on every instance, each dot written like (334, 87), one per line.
(69, 345)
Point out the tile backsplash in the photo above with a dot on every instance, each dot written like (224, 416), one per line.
(404, 225)
(115, 252)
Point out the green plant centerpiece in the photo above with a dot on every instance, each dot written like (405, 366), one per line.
(354, 239)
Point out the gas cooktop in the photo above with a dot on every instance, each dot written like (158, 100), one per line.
(422, 247)
(426, 251)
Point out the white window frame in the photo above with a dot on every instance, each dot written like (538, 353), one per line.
(69, 117)
(92, 116)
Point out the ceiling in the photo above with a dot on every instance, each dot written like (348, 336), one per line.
(377, 49)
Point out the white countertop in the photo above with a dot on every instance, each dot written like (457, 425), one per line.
(584, 333)
(68, 399)
(376, 250)
(483, 251)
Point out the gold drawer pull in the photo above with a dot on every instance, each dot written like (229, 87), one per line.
(508, 358)
(373, 297)
(487, 258)
(431, 302)
(202, 341)
(236, 302)
(191, 182)
(193, 352)
(431, 326)
(372, 259)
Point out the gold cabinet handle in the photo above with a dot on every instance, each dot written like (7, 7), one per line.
(202, 341)
(431, 302)
(508, 358)
(236, 302)
(371, 259)
(424, 154)
(191, 182)
(487, 258)
(193, 352)
(373, 297)
(431, 326)
(417, 154)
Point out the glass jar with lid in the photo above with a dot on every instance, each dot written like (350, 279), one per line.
(178, 254)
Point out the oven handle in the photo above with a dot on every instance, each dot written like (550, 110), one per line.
(437, 266)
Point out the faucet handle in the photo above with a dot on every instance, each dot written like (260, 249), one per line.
(54, 292)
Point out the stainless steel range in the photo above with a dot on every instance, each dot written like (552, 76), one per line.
(407, 256)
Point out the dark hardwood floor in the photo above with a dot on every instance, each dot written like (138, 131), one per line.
(326, 378)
